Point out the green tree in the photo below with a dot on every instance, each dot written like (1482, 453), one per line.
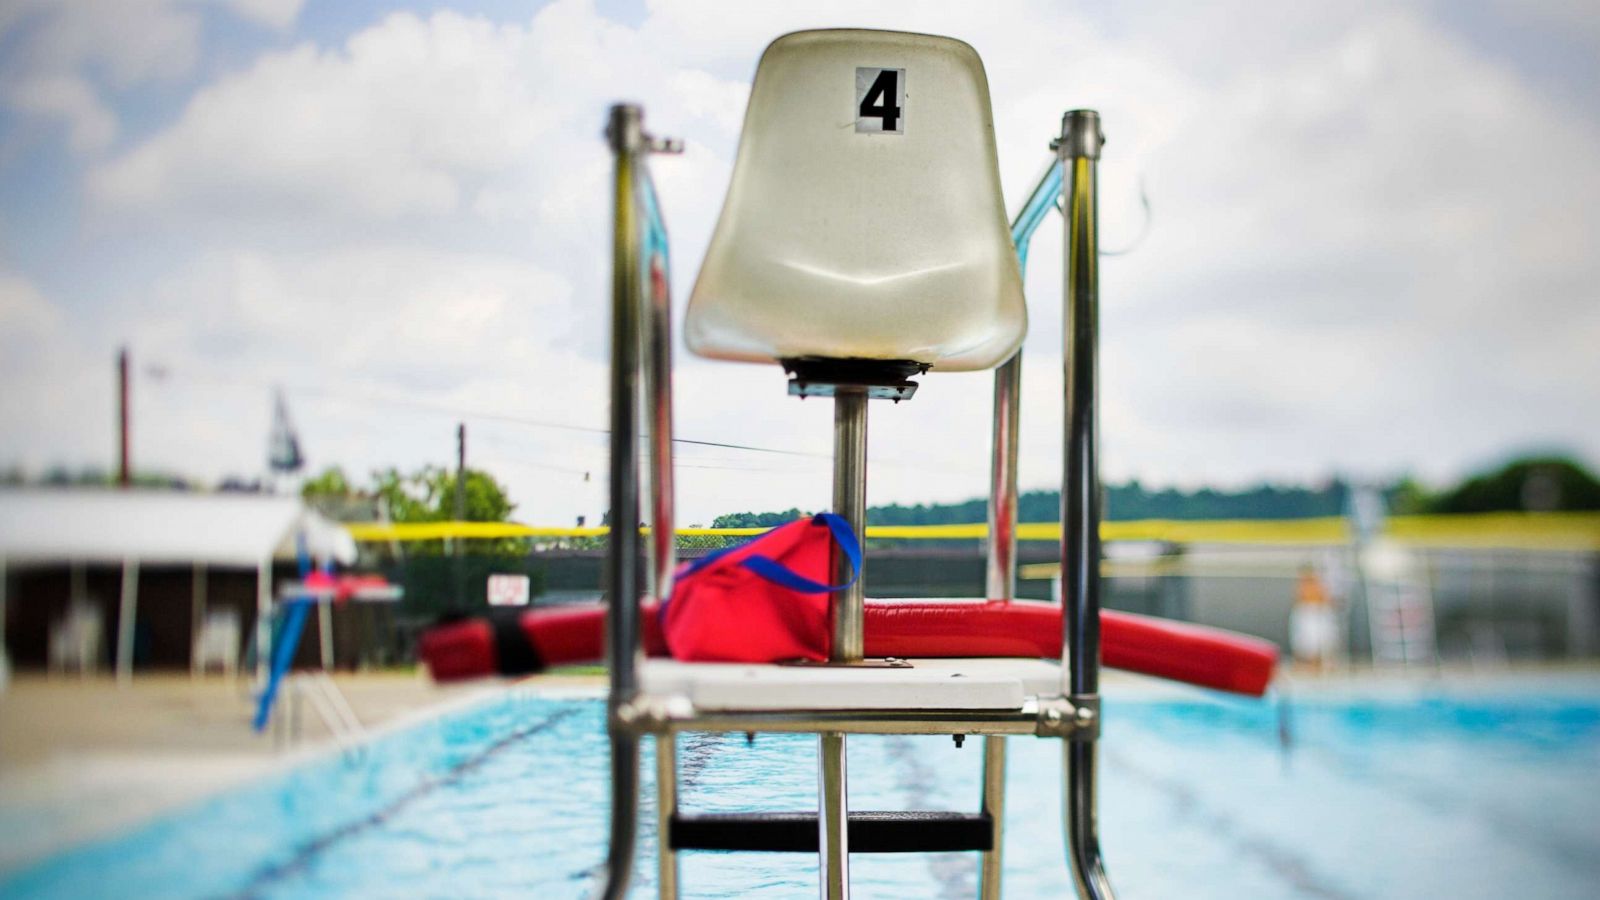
(1536, 484)
(1408, 497)
(758, 520)
(434, 580)
(330, 482)
(428, 495)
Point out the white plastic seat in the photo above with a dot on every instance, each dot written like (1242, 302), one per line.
(218, 641)
(865, 219)
(75, 641)
(929, 684)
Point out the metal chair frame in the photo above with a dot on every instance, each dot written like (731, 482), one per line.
(641, 392)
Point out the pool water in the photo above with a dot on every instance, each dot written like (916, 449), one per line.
(1488, 793)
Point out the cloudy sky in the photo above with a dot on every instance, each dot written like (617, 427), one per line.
(1374, 245)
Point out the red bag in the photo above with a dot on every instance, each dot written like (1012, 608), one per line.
(765, 600)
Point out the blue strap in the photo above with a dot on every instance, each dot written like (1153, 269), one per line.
(288, 639)
(783, 576)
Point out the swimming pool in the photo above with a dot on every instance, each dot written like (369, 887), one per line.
(1490, 791)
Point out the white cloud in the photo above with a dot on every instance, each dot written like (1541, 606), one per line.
(1371, 247)
(67, 49)
(90, 125)
(50, 382)
(1351, 268)
(26, 318)
(126, 41)
(386, 128)
(410, 117)
(279, 14)
(389, 313)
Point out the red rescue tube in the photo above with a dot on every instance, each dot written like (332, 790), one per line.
(1195, 654)
(528, 643)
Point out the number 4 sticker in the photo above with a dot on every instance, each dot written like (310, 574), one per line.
(880, 101)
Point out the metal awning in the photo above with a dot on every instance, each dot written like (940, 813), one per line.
(131, 528)
(162, 527)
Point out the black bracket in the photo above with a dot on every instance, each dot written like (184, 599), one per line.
(879, 379)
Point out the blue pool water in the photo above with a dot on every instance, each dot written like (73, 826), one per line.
(1487, 793)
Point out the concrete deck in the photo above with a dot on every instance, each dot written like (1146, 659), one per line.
(82, 758)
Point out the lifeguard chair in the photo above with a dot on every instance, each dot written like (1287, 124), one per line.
(863, 242)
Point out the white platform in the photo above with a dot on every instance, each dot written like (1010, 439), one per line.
(962, 684)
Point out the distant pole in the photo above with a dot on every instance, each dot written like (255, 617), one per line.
(460, 510)
(124, 469)
(461, 472)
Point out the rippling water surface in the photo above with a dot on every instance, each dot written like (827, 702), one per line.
(1489, 794)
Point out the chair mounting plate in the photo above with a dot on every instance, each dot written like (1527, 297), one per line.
(879, 379)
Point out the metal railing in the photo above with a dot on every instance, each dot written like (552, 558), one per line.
(1079, 148)
(641, 342)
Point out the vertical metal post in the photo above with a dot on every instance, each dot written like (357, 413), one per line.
(263, 622)
(849, 641)
(325, 631)
(833, 819)
(850, 502)
(658, 385)
(626, 135)
(125, 621)
(5, 660)
(994, 806)
(197, 615)
(666, 808)
(1001, 572)
(124, 414)
(459, 513)
(1079, 149)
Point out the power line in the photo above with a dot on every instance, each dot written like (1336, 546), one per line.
(164, 372)
(161, 372)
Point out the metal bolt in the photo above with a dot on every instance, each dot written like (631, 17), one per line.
(959, 739)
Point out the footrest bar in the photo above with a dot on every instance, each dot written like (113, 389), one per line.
(870, 832)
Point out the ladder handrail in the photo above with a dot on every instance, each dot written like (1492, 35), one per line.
(1001, 563)
(641, 367)
(1079, 150)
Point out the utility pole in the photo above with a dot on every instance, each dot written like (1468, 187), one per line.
(460, 511)
(461, 472)
(124, 468)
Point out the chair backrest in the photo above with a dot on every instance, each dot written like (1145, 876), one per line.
(865, 219)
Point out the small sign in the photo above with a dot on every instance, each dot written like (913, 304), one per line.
(880, 101)
(508, 590)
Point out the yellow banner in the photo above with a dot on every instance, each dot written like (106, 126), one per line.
(1531, 531)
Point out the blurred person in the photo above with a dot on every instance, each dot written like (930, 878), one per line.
(1313, 624)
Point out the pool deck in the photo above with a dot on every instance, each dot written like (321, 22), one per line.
(80, 758)
(84, 758)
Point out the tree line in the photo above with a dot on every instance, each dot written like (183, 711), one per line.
(1535, 484)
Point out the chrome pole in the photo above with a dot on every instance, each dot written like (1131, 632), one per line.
(1001, 571)
(1079, 149)
(1000, 582)
(850, 502)
(626, 135)
(666, 808)
(847, 608)
(658, 386)
(833, 819)
(994, 805)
